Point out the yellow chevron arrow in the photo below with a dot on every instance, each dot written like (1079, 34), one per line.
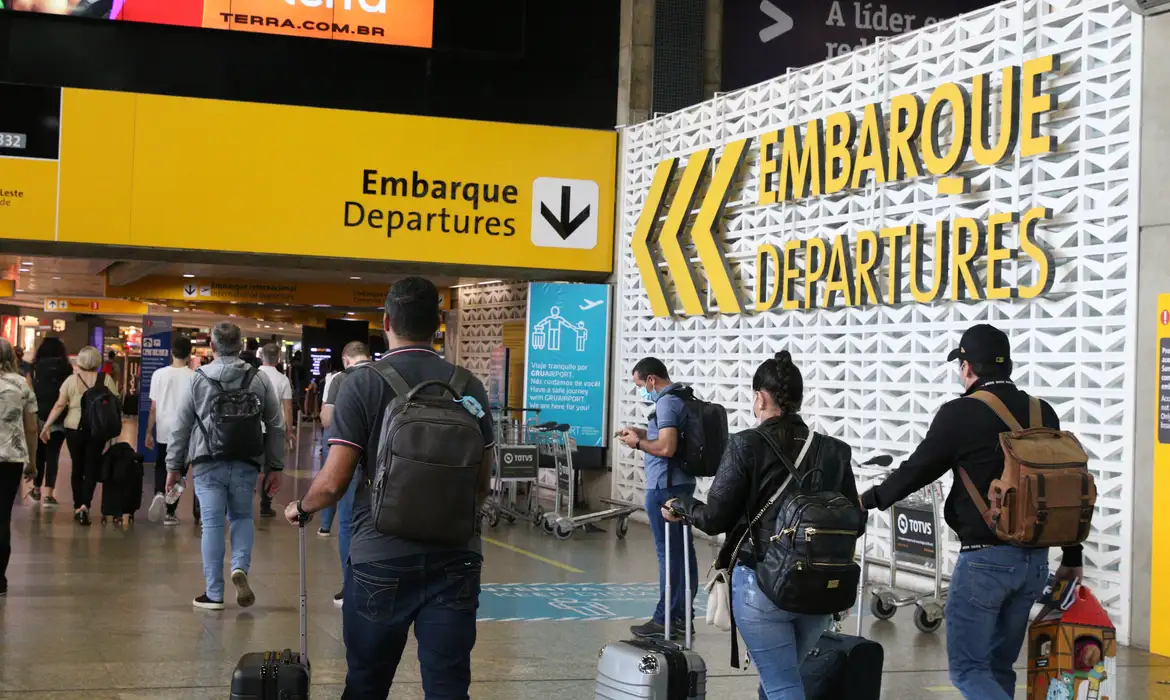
(680, 206)
(703, 230)
(651, 212)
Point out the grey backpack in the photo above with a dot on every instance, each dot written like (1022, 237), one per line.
(426, 477)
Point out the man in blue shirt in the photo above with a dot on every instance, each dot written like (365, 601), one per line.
(665, 480)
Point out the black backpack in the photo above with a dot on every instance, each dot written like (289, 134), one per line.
(48, 376)
(807, 565)
(237, 422)
(101, 411)
(703, 436)
(426, 477)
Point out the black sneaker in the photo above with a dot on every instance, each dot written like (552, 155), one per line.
(266, 511)
(649, 630)
(205, 603)
(339, 599)
(83, 517)
(35, 494)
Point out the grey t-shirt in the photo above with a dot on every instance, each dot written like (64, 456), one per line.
(357, 422)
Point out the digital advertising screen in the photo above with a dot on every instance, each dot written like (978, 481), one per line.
(390, 22)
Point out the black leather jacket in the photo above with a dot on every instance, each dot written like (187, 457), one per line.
(749, 474)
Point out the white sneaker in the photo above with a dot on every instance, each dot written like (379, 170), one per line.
(158, 507)
(170, 520)
(244, 595)
(339, 599)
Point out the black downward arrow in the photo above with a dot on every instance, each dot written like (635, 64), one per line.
(563, 226)
(189, 290)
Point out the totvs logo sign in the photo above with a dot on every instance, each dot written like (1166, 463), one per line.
(900, 140)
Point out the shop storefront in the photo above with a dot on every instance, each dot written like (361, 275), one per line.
(817, 228)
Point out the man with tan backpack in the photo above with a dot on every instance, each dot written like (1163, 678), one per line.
(1021, 486)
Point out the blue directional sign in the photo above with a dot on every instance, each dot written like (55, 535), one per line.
(567, 602)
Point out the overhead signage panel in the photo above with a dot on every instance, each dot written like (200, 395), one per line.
(84, 305)
(204, 290)
(393, 22)
(258, 178)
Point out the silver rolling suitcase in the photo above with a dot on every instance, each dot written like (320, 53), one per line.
(649, 669)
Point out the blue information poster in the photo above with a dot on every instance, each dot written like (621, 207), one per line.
(156, 354)
(568, 349)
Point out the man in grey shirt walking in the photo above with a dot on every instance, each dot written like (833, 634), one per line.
(225, 480)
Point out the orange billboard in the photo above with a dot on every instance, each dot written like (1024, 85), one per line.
(391, 22)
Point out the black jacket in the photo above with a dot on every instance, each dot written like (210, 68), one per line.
(749, 474)
(965, 432)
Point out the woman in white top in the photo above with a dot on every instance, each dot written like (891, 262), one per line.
(86, 455)
(18, 429)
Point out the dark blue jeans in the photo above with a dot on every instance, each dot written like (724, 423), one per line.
(991, 595)
(438, 593)
(654, 500)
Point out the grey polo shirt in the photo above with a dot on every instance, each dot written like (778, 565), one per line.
(357, 422)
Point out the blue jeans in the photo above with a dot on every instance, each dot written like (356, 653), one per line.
(344, 519)
(991, 595)
(225, 489)
(777, 640)
(678, 605)
(438, 593)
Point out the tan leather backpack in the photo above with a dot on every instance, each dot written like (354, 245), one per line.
(1046, 495)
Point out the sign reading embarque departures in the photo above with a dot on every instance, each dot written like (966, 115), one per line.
(762, 40)
(896, 139)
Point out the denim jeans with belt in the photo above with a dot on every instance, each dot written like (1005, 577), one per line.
(437, 593)
(777, 640)
(225, 489)
(990, 598)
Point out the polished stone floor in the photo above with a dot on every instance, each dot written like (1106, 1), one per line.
(105, 613)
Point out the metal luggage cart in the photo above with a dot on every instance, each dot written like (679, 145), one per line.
(916, 525)
(556, 441)
(517, 461)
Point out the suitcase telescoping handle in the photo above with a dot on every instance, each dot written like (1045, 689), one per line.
(304, 602)
(669, 602)
(864, 573)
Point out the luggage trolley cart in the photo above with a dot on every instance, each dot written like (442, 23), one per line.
(557, 443)
(915, 527)
(517, 460)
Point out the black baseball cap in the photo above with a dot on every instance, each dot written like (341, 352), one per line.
(983, 344)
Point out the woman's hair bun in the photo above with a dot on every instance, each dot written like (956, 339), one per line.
(784, 357)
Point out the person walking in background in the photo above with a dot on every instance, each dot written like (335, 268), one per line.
(22, 367)
(85, 454)
(251, 353)
(355, 354)
(665, 480)
(18, 444)
(51, 367)
(749, 474)
(168, 391)
(226, 453)
(299, 376)
(269, 355)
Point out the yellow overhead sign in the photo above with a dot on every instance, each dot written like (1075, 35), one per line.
(899, 140)
(7, 288)
(80, 305)
(201, 290)
(170, 172)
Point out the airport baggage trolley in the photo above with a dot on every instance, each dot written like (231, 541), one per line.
(556, 441)
(517, 461)
(916, 526)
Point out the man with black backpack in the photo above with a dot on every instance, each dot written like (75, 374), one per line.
(1003, 561)
(667, 478)
(414, 432)
(229, 424)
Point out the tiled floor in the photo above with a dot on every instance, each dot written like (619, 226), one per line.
(105, 613)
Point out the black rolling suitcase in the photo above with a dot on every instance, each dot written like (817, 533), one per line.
(277, 675)
(845, 667)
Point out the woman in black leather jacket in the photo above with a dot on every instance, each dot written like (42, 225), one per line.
(749, 474)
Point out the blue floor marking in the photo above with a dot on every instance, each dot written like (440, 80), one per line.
(565, 602)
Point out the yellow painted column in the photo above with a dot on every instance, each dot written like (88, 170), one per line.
(1160, 605)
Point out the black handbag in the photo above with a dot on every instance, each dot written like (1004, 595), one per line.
(807, 566)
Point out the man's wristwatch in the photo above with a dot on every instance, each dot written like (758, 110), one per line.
(301, 510)
(639, 445)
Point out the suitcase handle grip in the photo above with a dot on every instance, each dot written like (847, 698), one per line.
(304, 601)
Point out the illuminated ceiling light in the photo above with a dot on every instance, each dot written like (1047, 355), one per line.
(355, 278)
(349, 313)
(235, 302)
(176, 311)
(56, 278)
(267, 326)
(188, 275)
(19, 290)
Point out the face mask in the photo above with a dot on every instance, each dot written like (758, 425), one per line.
(646, 395)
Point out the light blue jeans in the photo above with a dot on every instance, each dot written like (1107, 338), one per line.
(777, 640)
(988, 605)
(225, 489)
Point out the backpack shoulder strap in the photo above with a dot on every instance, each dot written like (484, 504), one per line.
(215, 383)
(459, 379)
(249, 377)
(995, 404)
(1035, 413)
(394, 379)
